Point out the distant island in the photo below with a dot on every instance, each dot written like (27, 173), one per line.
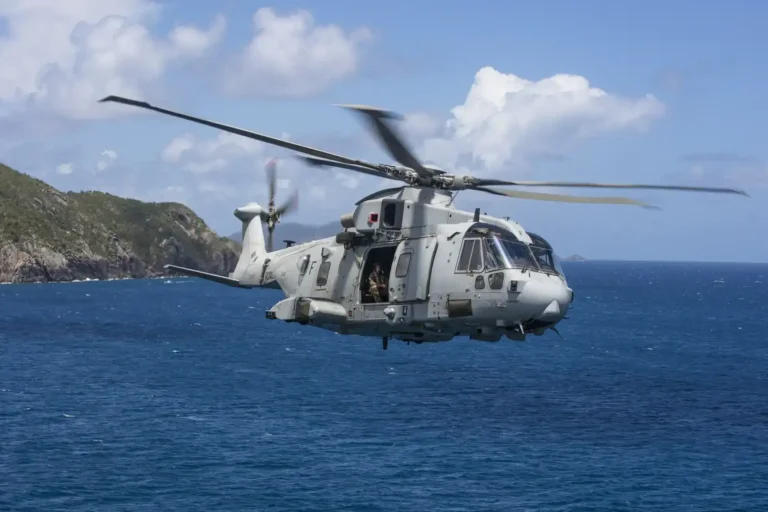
(575, 257)
(49, 236)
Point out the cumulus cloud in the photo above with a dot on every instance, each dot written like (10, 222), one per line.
(292, 56)
(507, 119)
(503, 121)
(67, 55)
(317, 192)
(729, 169)
(421, 125)
(346, 179)
(66, 168)
(214, 154)
(108, 156)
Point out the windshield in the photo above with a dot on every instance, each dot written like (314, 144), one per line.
(544, 255)
(490, 248)
(504, 253)
(544, 258)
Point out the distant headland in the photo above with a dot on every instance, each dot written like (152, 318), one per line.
(575, 257)
(51, 236)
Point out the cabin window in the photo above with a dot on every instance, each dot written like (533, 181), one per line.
(303, 263)
(403, 263)
(471, 257)
(322, 274)
(479, 283)
(496, 280)
(390, 215)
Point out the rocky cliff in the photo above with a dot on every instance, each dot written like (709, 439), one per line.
(48, 235)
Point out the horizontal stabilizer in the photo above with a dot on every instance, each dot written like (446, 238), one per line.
(205, 275)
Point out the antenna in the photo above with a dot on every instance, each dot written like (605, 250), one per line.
(289, 243)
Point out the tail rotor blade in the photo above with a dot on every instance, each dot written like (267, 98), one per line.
(270, 169)
(269, 240)
(290, 205)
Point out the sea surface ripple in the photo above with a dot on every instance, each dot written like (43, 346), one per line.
(179, 395)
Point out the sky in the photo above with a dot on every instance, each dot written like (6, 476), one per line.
(595, 91)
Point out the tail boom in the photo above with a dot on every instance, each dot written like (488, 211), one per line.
(207, 276)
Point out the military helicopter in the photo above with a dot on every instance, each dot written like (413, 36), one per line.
(408, 264)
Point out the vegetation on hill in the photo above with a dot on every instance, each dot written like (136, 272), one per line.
(49, 235)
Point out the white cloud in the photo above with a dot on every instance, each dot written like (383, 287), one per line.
(291, 56)
(108, 156)
(69, 54)
(177, 147)
(174, 193)
(347, 179)
(421, 125)
(192, 42)
(216, 190)
(317, 192)
(727, 169)
(207, 155)
(67, 168)
(506, 119)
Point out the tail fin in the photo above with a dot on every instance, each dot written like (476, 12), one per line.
(253, 250)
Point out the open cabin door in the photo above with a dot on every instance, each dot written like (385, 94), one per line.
(410, 273)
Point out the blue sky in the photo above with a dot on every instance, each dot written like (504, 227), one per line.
(683, 100)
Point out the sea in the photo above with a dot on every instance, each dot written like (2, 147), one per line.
(179, 395)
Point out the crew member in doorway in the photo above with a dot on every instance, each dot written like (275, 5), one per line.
(377, 283)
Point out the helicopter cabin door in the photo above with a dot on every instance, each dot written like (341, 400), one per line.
(409, 276)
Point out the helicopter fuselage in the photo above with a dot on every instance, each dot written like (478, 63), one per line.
(452, 274)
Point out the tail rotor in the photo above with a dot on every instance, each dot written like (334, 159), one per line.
(273, 215)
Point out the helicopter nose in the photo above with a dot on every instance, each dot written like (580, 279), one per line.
(550, 299)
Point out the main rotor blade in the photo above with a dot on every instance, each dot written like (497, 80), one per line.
(563, 198)
(390, 138)
(269, 240)
(322, 162)
(486, 182)
(239, 131)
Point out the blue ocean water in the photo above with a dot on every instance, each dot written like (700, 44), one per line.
(179, 395)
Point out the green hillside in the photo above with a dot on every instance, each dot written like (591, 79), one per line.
(48, 235)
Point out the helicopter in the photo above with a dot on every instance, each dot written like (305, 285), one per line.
(407, 264)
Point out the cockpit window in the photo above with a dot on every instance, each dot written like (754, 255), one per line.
(471, 258)
(505, 253)
(544, 254)
(490, 248)
(494, 256)
(544, 258)
(476, 260)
